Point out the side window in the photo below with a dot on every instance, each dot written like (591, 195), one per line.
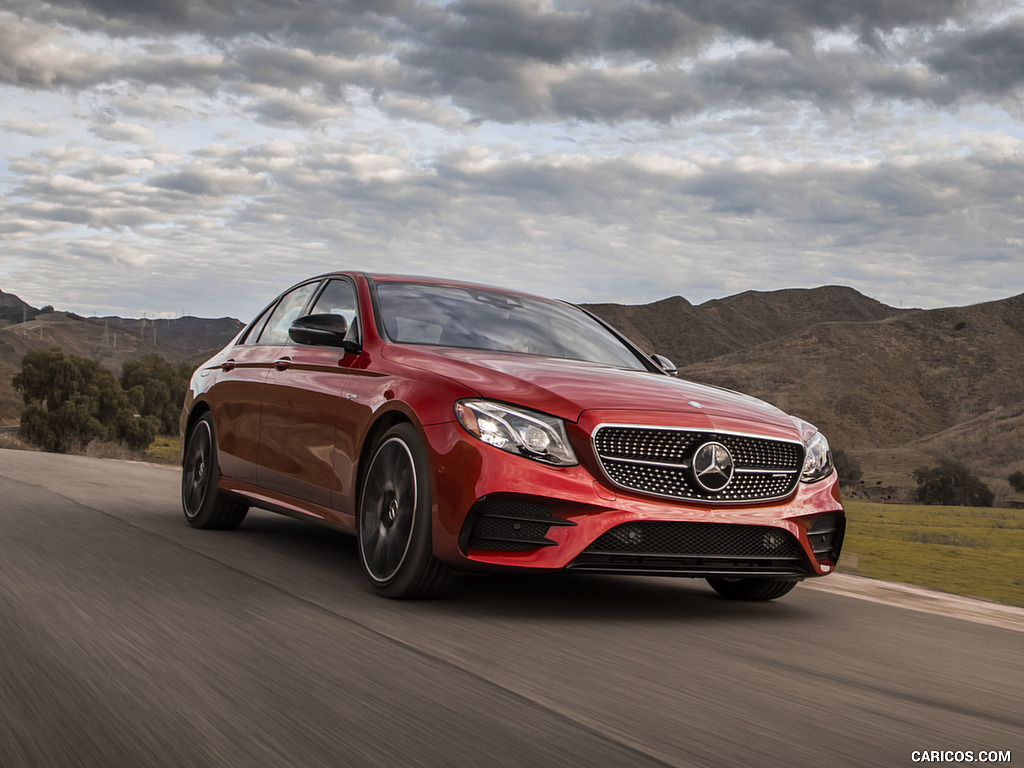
(275, 332)
(257, 325)
(339, 298)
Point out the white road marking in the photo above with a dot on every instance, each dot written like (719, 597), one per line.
(921, 599)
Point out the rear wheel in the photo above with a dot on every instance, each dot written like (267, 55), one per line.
(395, 539)
(204, 505)
(751, 589)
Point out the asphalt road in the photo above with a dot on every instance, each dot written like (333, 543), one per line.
(129, 639)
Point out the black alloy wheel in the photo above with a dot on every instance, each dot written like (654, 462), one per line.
(204, 505)
(394, 525)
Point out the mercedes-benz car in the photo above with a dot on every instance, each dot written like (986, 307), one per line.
(454, 427)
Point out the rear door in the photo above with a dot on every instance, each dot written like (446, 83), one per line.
(236, 401)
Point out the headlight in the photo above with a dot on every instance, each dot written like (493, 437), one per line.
(517, 430)
(818, 464)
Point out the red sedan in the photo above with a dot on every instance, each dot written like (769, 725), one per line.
(453, 426)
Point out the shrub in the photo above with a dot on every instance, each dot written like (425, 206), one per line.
(847, 466)
(157, 388)
(71, 401)
(1016, 481)
(953, 484)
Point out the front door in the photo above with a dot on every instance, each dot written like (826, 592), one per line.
(301, 400)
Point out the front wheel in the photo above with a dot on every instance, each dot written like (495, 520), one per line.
(751, 589)
(394, 526)
(204, 505)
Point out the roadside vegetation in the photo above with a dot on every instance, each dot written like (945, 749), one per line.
(951, 483)
(972, 551)
(75, 405)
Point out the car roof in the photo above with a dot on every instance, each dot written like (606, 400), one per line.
(380, 277)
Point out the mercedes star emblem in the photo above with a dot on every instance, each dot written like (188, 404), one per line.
(712, 467)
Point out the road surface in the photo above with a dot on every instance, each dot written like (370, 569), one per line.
(129, 639)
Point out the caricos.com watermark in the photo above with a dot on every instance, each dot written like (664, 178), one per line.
(960, 756)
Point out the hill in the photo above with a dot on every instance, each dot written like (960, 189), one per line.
(924, 383)
(110, 340)
(893, 386)
(886, 382)
(688, 334)
(14, 310)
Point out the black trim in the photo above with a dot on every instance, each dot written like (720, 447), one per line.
(327, 280)
(648, 565)
(508, 523)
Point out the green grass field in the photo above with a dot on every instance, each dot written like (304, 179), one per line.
(966, 550)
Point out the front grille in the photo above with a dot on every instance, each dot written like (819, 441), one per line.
(508, 524)
(659, 461)
(825, 535)
(694, 549)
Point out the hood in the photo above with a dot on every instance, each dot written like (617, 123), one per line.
(567, 388)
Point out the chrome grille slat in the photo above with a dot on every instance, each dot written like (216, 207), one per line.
(657, 460)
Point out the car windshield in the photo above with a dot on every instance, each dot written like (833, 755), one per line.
(474, 318)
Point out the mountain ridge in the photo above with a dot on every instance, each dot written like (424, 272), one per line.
(871, 376)
(689, 333)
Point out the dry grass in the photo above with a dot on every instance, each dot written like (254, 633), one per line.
(10, 441)
(164, 450)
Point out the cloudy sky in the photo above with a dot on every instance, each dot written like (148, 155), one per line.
(199, 156)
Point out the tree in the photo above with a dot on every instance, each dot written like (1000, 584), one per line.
(951, 483)
(1016, 481)
(157, 388)
(71, 401)
(847, 467)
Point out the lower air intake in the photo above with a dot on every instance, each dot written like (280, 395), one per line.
(694, 549)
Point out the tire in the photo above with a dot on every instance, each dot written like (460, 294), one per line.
(204, 505)
(751, 589)
(395, 520)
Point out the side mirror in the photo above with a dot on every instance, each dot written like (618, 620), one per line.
(665, 364)
(322, 330)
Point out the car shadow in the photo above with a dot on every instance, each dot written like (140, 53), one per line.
(609, 598)
(546, 596)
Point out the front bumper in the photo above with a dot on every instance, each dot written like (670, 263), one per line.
(494, 510)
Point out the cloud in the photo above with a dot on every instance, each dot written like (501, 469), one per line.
(29, 128)
(698, 223)
(521, 60)
(33, 55)
(118, 131)
(616, 150)
(990, 61)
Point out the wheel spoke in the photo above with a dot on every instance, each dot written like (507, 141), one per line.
(403, 523)
(389, 470)
(404, 481)
(395, 550)
(379, 550)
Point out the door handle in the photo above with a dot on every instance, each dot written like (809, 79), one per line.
(282, 363)
(227, 365)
